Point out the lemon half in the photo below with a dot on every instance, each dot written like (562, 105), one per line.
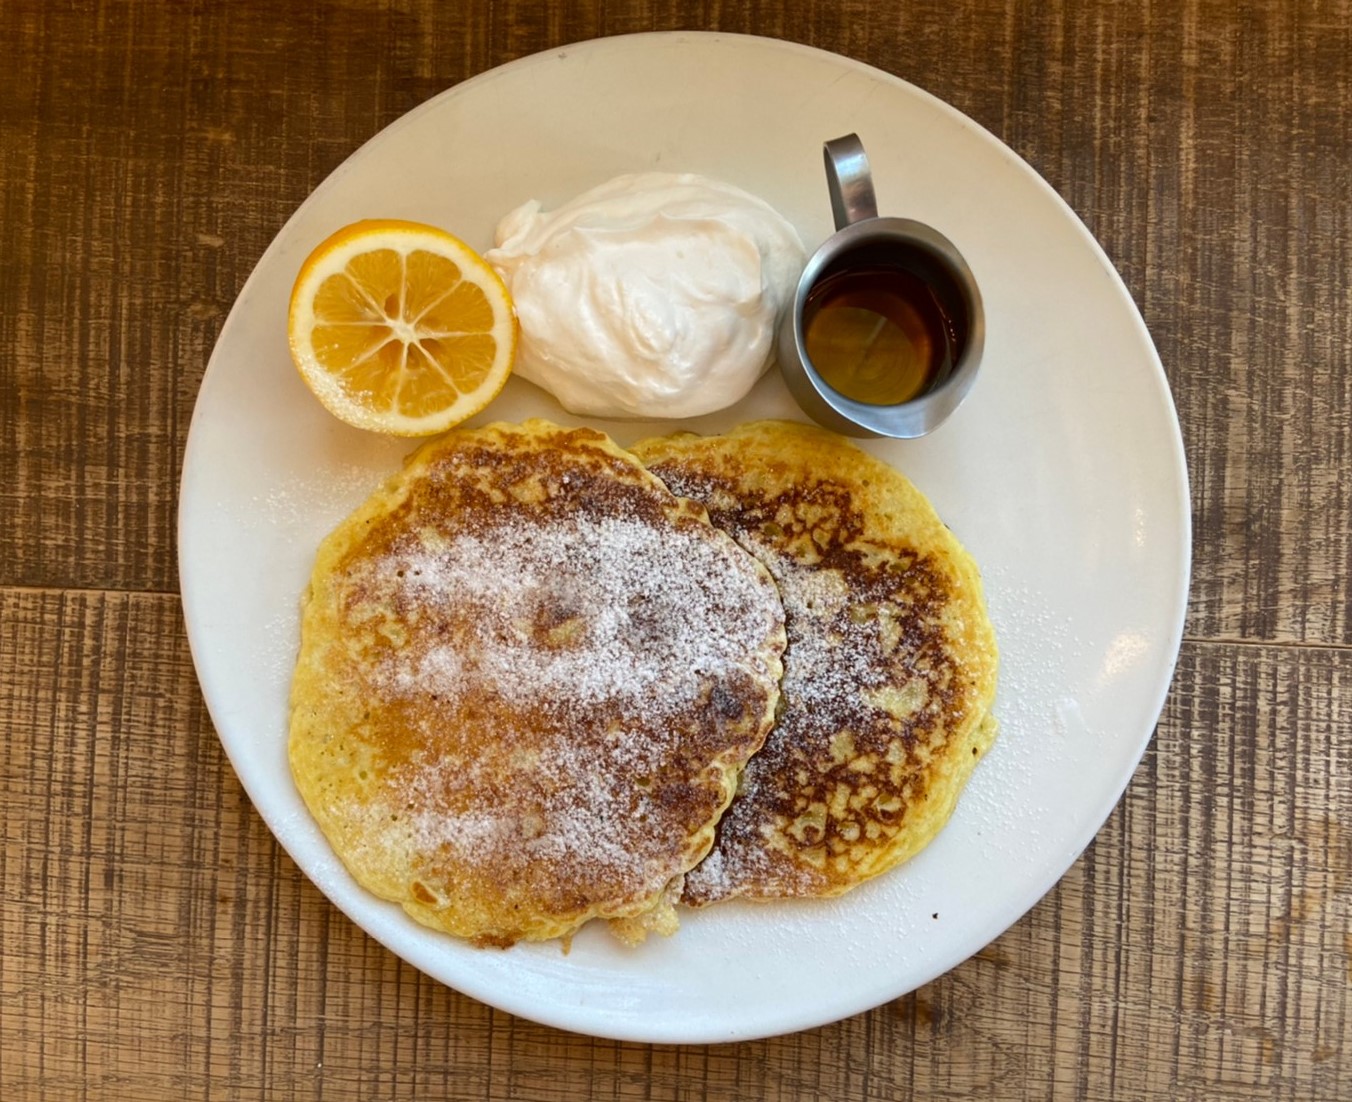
(401, 328)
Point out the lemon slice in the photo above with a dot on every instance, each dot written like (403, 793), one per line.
(401, 328)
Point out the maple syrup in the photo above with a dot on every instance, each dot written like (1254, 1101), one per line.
(880, 334)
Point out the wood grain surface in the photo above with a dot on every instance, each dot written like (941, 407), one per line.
(155, 943)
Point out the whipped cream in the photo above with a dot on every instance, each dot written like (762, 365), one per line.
(652, 295)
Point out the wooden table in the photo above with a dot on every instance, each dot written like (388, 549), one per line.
(155, 943)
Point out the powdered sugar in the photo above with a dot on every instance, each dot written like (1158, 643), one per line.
(585, 823)
(607, 610)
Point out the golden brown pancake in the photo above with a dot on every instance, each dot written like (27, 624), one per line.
(529, 676)
(890, 669)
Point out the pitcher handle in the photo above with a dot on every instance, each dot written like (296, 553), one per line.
(849, 180)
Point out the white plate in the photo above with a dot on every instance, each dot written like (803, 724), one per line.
(1063, 474)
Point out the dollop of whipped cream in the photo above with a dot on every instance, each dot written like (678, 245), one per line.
(652, 295)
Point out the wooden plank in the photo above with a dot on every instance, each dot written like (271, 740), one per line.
(156, 943)
(148, 153)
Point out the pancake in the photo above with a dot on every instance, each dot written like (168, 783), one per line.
(529, 677)
(890, 670)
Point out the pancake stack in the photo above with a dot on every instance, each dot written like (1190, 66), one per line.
(541, 684)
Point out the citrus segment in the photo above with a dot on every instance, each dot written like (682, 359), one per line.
(401, 328)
